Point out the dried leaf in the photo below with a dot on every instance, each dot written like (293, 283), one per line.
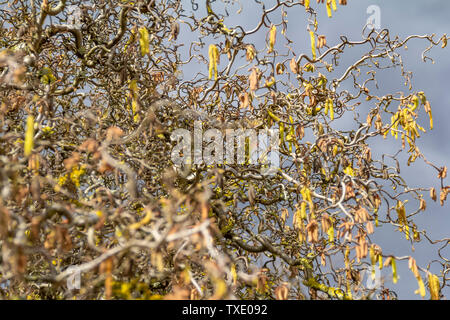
(36, 188)
(21, 260)
(321, 41)
(251, 52)
(174, 30)
(89, 145)
(442, 173)
(443, 196)
(369, 227)
(433, 194)
(361, 215)
(261, 285)
(293, 65)
(367, 154)
(4, 221)
(326, 223)
(280, 68)
(444, 41)
(72, 161)
(251, 195)
(281, 292)
(178, 293)
(423, 205)
(300, 131)
(313, 231)
(254, 79)
(244, 100)
(113, 133)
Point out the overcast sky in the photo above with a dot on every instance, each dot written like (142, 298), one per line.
(402, 18)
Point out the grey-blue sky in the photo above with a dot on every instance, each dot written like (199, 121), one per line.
(402, 18)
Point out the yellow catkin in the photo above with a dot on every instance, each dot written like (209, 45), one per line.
(433, 282)
(213, 60)
(303, 211)
(394, 271)
(328, 9)
(333, 3)
(313, 44)
(349, 171)
(272, 38)
(431, 120)
(330, 108)
(330, 232)
(29, 136)
(144, 41)
(421, 289)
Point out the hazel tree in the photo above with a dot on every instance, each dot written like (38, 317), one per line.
(91, 93)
